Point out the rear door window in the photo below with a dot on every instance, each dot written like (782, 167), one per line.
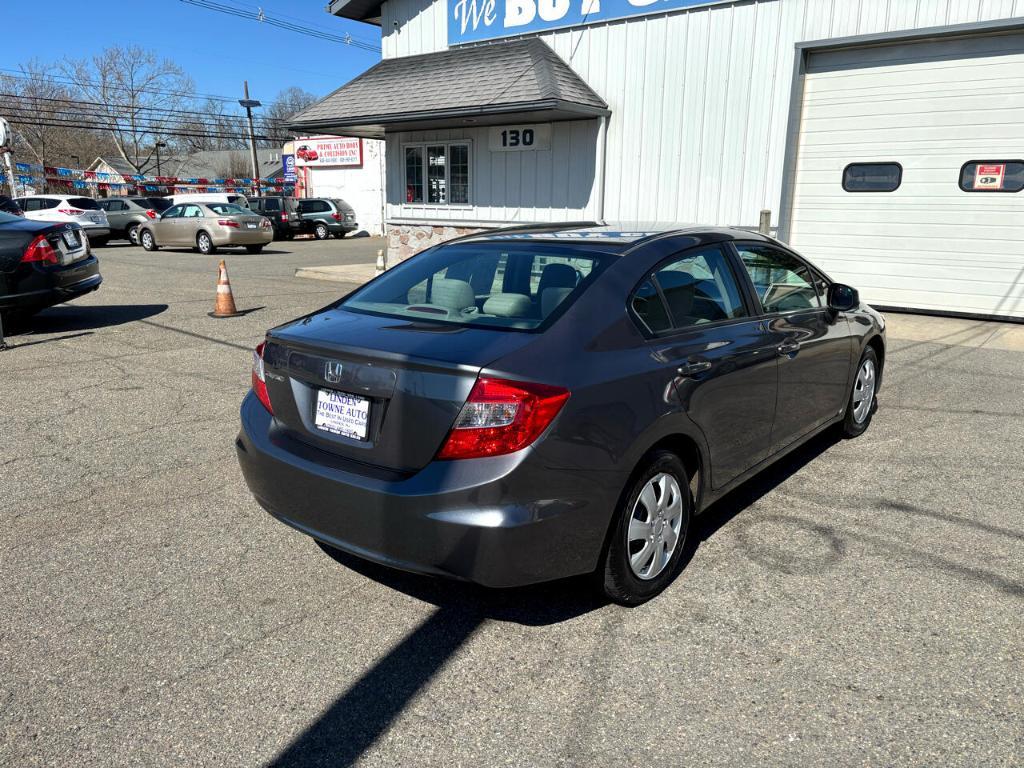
(696, 287)
(271, 204)
(783, 283)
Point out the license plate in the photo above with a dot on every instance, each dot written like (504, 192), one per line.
(342, 414)
(71, 238)
(250, 226)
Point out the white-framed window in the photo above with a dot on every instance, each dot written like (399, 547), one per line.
(437, 172)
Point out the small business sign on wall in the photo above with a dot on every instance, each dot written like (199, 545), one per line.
(520, 138)
(329, 150)
(989, 176)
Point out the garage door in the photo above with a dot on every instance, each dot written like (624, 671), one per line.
(910, 170)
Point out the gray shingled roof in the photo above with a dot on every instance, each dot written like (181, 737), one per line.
(514, 77)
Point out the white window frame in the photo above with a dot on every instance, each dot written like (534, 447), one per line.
(447, 144)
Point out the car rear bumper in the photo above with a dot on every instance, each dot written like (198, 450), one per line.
(501, 522)
(260, 236)
(38, 288)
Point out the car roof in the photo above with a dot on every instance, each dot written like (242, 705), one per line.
(54, 197)
(625, 234)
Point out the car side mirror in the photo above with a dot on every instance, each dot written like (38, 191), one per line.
(842, 298)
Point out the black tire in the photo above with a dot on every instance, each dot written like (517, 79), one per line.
(340, 235)
(321, 232)
(852, 426)
(99, 242)
(148, 241)
(205, 244)
(132, 234)
(618, 581)
(254, 248)
(289, 235)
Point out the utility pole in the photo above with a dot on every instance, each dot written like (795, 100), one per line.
(249, 104)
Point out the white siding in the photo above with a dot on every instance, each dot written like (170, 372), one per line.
(508, 186)
(362, 187)
(932, 107)
(700, 98)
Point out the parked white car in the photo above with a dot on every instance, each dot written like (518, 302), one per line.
(83, 211)
(210, 197)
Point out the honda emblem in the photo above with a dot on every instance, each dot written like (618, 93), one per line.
(332, 371)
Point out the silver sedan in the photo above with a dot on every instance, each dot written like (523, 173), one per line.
(207, 227)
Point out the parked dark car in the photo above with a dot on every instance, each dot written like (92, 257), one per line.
(326, 216)
(127, 214)
(536, 403)
(41, 264)
(283, 213)
(8, 205)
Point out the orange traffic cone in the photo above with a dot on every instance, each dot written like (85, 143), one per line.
(225, 306)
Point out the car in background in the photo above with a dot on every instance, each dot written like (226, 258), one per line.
(283, 213)
(540, 402)
(125, 214)
(207, 227)
(43, 263)
(307, 154)
(61, 209)
(7, 205)
(326, 216)
(233, 198)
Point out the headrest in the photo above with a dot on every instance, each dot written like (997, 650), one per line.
(452, 294)
(508, 305)
(558, 276)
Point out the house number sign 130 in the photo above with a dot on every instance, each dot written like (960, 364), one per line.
(520, 138)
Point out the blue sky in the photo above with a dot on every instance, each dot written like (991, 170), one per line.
(214, 48)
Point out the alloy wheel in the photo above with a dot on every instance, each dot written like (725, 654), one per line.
(864, 391)
(655, 526)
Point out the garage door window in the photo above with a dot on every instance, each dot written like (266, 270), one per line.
(992, 176)
(872, 177)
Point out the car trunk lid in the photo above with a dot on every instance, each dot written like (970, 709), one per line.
(378, 390)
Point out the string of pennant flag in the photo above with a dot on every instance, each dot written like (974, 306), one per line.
(72, 178)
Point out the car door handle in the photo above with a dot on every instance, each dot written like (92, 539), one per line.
(694, 367)
(789, 347)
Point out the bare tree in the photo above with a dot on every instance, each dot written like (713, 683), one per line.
(213, 130)
(236, 165)
(288, 102)
(135, 97)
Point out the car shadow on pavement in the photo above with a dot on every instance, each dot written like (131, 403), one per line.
(78, 317)
(354, 722)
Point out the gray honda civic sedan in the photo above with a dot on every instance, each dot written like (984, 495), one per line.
(535, 403)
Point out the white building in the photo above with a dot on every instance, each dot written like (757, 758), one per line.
(351, 169)
(886, 136)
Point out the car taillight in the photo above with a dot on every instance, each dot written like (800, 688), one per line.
(259, 382)
(227, 223)
(151, 213)
(336, 216)
(70, 211)
(284, 216)
(502, 416)
(265, 223)
(40, 251)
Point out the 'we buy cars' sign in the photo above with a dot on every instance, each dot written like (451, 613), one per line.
(329, 150)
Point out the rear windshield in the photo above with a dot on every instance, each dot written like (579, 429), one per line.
(493, 285)
(84, 203)
(227, 209)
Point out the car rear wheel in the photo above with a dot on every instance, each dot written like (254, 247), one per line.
(205, 244)
(645, 548)
(254, 248)
(320, 232)
(99, 242)
(863, 401)
(147, 240)
(340, 235)
(133, 234)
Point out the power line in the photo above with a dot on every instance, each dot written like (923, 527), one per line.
(260, 16)
(180, 132)
(66, 80)
(121, 122)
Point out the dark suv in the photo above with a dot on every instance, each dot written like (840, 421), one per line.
(324, 216)
(283, 213)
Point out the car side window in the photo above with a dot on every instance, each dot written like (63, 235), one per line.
(271, 204)
(699, 288)
(783, 283)
(649, 307)
(28, 204)
(173, 212)
(193, 212)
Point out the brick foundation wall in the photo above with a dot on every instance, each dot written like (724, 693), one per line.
(405, 240)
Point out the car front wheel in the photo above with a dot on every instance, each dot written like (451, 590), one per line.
(863, 401)
(205, 244)
(645, 551)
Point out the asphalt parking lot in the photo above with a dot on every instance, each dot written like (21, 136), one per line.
(860, 604)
